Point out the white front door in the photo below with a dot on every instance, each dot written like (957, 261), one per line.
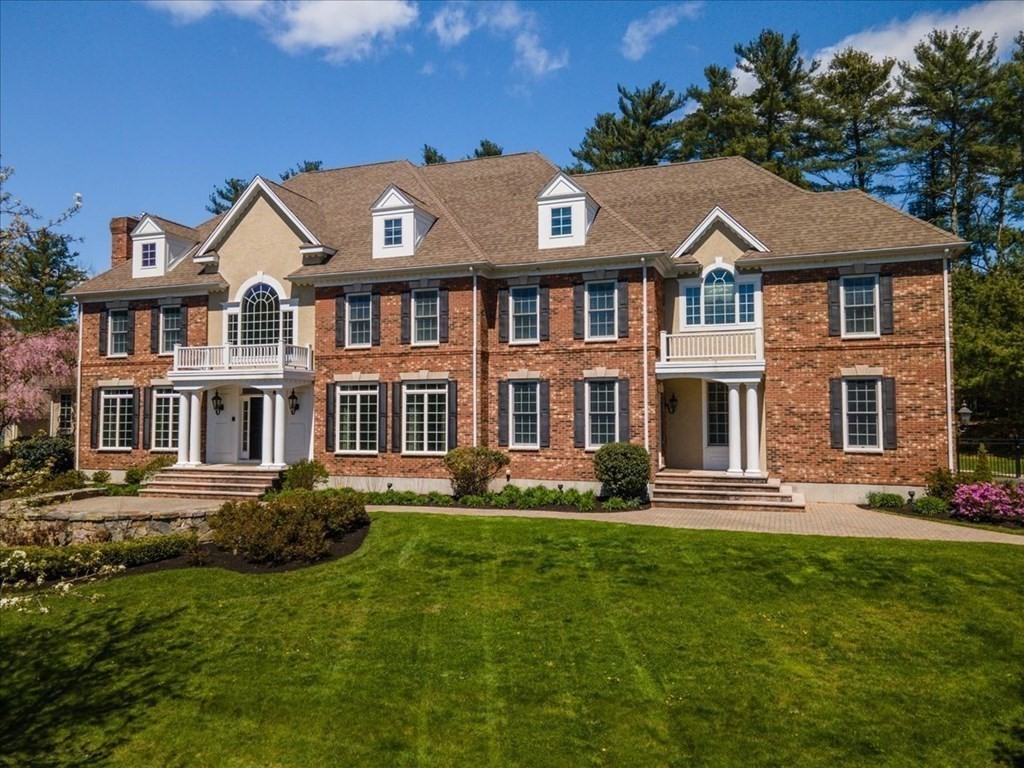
(716, 425)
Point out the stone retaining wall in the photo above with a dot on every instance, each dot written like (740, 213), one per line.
(80, 527)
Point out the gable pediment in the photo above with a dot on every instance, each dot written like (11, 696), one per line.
(718, 218)
(393, 198)
(561, 186)
(147, 227)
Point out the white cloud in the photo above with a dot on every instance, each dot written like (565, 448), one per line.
(535, 58)
(451, 25)
(428, 69)
(640, 33)
(185, 11)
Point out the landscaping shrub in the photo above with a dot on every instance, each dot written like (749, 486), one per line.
(101, 477)
(68, 481)
(17, 480)
(473, 468)
(618, 504)
(587, 502)
(304, 475)
(982, 469)
(139, 474)
(931, 506)
(291, 525)
(114, 489)
(474, 501)
(76, 559)
(624, 469)
(989, 503)
(571, 498)
(941, 483)
(56, 452)
(886, 501)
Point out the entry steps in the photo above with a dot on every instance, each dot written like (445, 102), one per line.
(699, 489)
(211, 482)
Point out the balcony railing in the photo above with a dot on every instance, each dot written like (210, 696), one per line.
(707, 345)
(246, 356)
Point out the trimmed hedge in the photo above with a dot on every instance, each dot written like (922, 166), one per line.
(78, 559)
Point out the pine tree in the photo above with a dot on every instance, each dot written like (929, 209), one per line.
(722, 120)
(222, 198)
(487, 148)
(306, 166)
(432, 157)
(34, 277)
(1007, 117)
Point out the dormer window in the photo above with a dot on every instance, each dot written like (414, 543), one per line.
(400, 222)
(561, 222)
(564, 214)
(392, 232)
(148, 255)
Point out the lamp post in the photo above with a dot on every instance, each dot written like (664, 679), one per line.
(964, 414)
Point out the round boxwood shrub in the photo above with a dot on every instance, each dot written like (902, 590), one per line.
(304, 475)
(624, 469)
(930, 506)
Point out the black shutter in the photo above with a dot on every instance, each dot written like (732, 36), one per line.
(885, 302)
(544, 394)
(503, 316)
(834, 321)
(396, 417)
(184, 325)
(624, 434)
(889, 413)
(130, 314)
(147, 415)
(442, 316)
(329, 428)
(382, 417)
(502, 413)
(94, 422)
(135, 418)
(579, 408)
(623, 296)
(453, 414)
(577, 311)
(104, 324)
(545, 313)
(406, 317)
(339, 321)
(375, 319)
(835, 411)
(154, 330)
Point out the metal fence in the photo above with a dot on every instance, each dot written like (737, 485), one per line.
(1005, 456)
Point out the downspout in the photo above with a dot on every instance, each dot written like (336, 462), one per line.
(476, 339)
(78, 390)
(647, 384)
(949, 357)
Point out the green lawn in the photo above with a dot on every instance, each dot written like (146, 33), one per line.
(455, 641)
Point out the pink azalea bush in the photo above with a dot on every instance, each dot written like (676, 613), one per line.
(988, 502)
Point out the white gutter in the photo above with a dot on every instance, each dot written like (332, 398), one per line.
(949, 358)
(647, 405)
(78, 389)
(476, 393)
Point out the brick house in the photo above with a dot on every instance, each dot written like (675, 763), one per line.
(374, 317)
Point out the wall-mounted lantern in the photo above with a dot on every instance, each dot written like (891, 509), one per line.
(218, 403)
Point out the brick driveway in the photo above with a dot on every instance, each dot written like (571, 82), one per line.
(823, 519)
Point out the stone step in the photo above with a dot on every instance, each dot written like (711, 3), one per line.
(195, 493)
(796, 505)
(211, 482)
(236, 485)
(668, 494)
(708, 476)
(772, 484)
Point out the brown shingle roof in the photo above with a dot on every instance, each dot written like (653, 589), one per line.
(175, 229)
(187, 274)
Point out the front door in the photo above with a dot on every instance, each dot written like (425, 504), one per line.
(252, 428)
(716, 425)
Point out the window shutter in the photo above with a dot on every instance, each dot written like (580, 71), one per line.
(502, 413)
(147, 416)
(503, 316)
(339, 321)
(406, 317)
(94, 421)
(577, 311)
(135, 417)
(545, 313)
(154, 330)
(544, 394)
(834, 320)
(382, 417)
(885, 303)
(453, 414)
(104, 324)
(835, 412)
(623, 296)
(184, 324)
(624, 434)
(442, 316)
(396, 417)
(375, 319)
(579, 408)
(329, 426)
(131, 332)
(889, 413)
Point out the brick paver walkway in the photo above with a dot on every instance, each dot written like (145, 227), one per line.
(818, 520)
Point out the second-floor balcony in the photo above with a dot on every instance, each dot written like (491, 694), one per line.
(242, 359)
(712, 348)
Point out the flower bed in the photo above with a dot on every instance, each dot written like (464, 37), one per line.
(989, 503)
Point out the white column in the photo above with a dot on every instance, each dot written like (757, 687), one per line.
(266, 456)
(183, 428)
(753, 433)
(735, 465)
(195, 428)
(279, 411)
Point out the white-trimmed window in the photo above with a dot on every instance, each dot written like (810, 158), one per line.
(358, 320)
(392, 232)
(66, 414)
(260, 315)
(859, 305)
(425, 418)
(524, 310)
(601, 303)
(117, 418)
(524, 412)
(148, 255)
(425, 308)
(718, 414)
(720, 298)
(862, 414)
(165, 418)
(118, 332)
(602, 412)
(561, 221)
(170, 329)
(358, 418)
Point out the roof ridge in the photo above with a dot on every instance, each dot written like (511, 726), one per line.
(164, 218)
(681, 163)
(901, 212)
(350, 167)
(488, 157)
(292, 191)
(443, 207)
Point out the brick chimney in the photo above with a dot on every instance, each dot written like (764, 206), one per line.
(120, 239)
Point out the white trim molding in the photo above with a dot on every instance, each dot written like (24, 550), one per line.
(717, 215)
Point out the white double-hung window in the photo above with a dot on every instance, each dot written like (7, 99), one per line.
(358, 414)
(425, 418)
(602, 412)
(862, 414)
(425, 308)
(358, 329)
(170, 329)
(859, 305)
(165, 418)
(524, 410)
(118, 330)
(601, 298)
(524, 310)
(117, 418)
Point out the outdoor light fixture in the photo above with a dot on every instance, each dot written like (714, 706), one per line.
(671, 404)
(293, 403)
(389, 486)
(218, 403)
(508, 475)
(965, 414)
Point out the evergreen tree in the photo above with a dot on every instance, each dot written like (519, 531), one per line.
(643, 135)
(222, 198)
(722, 120)
(34, 277)
(305, 166)
(431, 156)
(1007, 118)
(487, 149)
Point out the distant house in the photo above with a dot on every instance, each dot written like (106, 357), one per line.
(374, 317)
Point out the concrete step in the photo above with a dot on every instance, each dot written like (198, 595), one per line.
(195, 493)
(699, 475)
(771, 484)
(795, 505)
(667, 494)
(211, 482)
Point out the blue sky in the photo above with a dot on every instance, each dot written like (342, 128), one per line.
(146, 106)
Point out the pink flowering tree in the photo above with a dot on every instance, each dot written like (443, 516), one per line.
(31, 366)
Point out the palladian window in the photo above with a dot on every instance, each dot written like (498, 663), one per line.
(719, 298)
(261, 315)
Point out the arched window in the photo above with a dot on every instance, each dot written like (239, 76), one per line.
(261, 315)
(719, 297)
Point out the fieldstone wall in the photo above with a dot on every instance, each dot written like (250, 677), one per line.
(82, 527)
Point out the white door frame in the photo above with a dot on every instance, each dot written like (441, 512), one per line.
(715, 457)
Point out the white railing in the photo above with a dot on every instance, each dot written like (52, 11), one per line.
(232, 357)
(709, 345)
